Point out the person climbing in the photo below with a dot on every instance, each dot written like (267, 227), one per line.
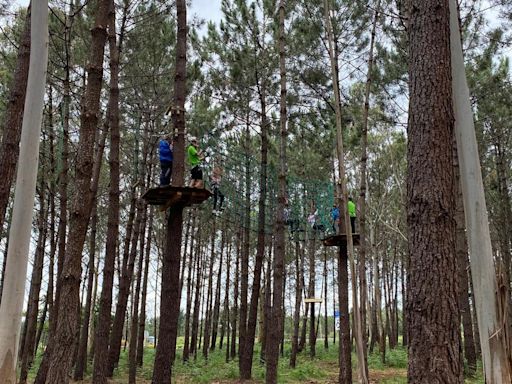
(288, 217)
(166, 158)
(215, 179)
(195, 156)
(352, 213)
(312, 219)
(335, 216)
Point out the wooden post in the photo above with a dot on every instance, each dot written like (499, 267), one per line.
(492, 335)
(21, 224)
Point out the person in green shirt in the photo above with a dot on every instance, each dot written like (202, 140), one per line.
(352, 213)
(194, 157)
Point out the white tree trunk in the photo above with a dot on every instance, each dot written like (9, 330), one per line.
(21, 224)
(496, 366)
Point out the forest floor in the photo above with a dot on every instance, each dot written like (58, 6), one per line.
(323, 369)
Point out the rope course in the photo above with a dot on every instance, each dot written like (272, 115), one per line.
(305, 196)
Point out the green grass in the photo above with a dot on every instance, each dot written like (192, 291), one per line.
(321, 369)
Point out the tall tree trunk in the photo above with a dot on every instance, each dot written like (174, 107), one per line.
(244, 278)
(335, 330)
(496, 365)
(343, 200)
(235, 293)
(4, 261)
(81, 360)
(432, 306)
(124, 292)
(134, 326)
(191, 262)
(461, 249)
(504, 216)
(21, 220)
(326, 323)
(142, 316)
(296, 313)
(225, 315)
(303, 332)
(197, 294)
(81, 351)
(169, 308)
(362, 186)
(63, 203)
(280, 243)
(29, 338)
(105, 307)
(246, 354)
(267, 309)
(209, 296)
(311, 294)
(42, 322)
(53, 237)
(345, 344)
(403, 268)
(11, 132)
(92, 323)
(71, 274)
(216, 307)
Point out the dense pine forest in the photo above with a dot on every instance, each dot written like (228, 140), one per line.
(255, 191)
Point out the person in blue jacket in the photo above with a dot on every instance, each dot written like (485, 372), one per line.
(335, 216)
(165, 152)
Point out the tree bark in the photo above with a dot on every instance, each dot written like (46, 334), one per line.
(209, 295)
(197, 295)
(105, 306)
(296, 313)
(216, 307)
(247, 352)
(169, 308)
(192, 261)
(63, 204)
(124, 293)
(275, 332)
(267, 307)
(81, 350)
(432, 306)
(362, 194)
(29, 338)
(142, 316)
(134, 326)
(226, 317)
(345, 344)
(326, 323)
(81, 360)
(235, 293)
(343, 199)
(244, 278)
(311, 294)
(11, 132)
(461, 249)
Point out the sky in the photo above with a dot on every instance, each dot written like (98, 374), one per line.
(205, 9)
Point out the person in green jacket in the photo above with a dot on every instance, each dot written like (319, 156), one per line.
(352, 213)
(194, 157)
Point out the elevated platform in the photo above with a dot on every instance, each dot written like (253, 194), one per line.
(168, 196)
(340, 240)
(313, 300)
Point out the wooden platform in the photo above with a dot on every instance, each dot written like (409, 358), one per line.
(313, 300)
(339, 240)
(168, 196)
